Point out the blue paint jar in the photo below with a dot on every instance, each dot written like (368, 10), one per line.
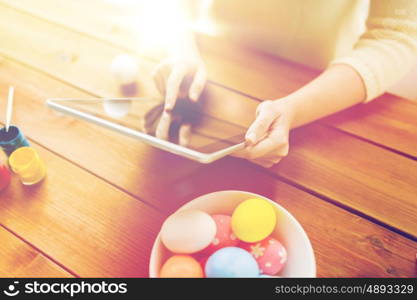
(12, 139)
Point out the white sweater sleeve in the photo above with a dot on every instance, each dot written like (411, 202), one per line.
(388, 48)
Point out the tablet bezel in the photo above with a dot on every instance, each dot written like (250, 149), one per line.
(149, 139)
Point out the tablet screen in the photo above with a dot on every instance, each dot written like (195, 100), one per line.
(186, 125)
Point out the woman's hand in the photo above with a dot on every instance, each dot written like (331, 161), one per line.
(178, 78)
(267, 137)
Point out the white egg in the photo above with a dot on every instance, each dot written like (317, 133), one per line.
(125, 68)
(188, 231)
(117, 108)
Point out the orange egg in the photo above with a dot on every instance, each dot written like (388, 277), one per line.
(183, 266)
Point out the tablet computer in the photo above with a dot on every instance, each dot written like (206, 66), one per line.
(190, 132)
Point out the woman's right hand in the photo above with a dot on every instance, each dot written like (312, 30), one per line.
(178, 78)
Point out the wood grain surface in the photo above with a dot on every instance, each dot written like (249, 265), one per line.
(18, 259)
(89, 226)
(106, 195)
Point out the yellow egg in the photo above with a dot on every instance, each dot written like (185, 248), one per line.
(253, 220)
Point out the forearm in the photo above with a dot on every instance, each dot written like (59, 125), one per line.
(337, 88)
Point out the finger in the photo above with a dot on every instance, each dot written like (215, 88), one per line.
(162, 130)
(198, 83)
(158, 75)
(243, 153)
(160, 83)
(148, 122)
(163, 67)
(260, 126)
(276, 144)
(158, 69)
(184, 134)
(264, 147)
(173, 86)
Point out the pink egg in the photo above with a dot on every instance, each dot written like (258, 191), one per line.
(203, 260)
(269, 253)
(224, 235)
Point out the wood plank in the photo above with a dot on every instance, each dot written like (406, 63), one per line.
(361, 244)
(389, 121)
(18, 259)
(87, 225)
(240, 108)
(115, 23)
(71, 58)
(374, 181)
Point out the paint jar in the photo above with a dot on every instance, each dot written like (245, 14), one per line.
(26, 163)
(4, 176)
(12, 139)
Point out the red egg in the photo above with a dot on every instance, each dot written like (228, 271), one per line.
(224, 235)
(4, 177)
(269, 253)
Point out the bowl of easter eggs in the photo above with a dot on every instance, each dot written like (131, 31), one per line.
(232, 234)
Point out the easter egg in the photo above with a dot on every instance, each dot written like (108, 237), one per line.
(4, 177)
(188, 231)
(202, 261)
(183, 266)
(231, 262)
(125, 68)
(253, 220)
(269, 253)
(224, 235)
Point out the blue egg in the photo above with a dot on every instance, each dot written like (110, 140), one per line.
(231, 262)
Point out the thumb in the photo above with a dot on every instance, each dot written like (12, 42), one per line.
(260, 127)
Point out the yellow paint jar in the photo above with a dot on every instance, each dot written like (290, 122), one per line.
(26, 163)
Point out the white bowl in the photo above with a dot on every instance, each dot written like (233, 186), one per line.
(301, 261)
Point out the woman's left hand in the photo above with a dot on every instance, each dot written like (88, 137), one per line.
(267, 137)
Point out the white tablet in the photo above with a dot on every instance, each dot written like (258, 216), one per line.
(191, 133)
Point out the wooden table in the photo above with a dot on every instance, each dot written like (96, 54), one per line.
(350, 180)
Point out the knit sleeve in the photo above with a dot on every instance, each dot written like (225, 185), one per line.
(388, 48)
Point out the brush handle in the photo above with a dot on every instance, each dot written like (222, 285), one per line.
(9, 108)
